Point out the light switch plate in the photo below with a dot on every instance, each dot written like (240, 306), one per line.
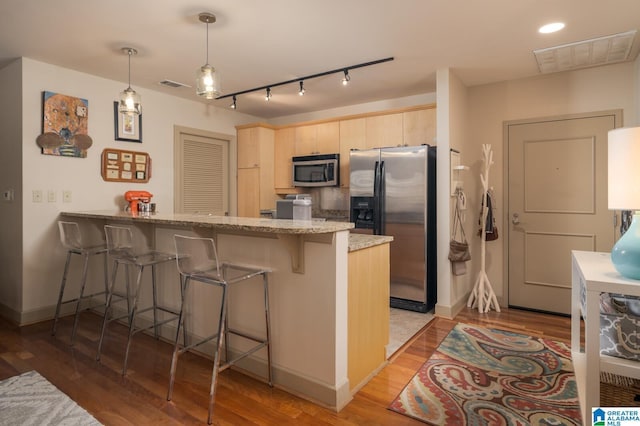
(51, 196)
(66, 196)
(37, 195)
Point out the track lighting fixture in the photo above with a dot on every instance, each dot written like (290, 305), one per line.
(207, 80)
(233, 104)
(129, 99)
(346, 78)
(300, 80)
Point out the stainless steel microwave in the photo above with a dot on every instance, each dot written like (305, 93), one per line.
(316, 170)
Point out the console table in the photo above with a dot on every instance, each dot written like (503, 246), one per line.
(593, 274)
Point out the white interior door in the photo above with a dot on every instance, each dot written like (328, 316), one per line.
(557, 178)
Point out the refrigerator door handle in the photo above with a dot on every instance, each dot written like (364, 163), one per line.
(381, 199)
(376, 198)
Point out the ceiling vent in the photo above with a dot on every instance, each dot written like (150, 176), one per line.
(174, 84)
(588, 53)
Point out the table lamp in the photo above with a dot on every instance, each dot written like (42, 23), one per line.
(624, 194)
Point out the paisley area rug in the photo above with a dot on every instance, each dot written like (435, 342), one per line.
(480, 376)
(29, 399)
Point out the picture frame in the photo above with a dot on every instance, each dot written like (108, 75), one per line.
(127, 127)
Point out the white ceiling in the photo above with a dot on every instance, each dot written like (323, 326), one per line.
(257, 42)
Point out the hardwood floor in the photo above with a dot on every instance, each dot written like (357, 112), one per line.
(140, 397)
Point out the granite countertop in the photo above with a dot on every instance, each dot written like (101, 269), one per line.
(362, 241)
(231, 223)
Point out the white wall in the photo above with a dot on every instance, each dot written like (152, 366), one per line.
(42, 254)
(10, 181)
(451, 134)
(593, 89)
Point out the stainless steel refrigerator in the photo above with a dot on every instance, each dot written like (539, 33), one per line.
(393, 192)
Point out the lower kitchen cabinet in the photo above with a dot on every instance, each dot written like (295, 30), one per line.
(368, 307)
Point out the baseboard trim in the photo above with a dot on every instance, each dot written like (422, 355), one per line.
(324, 394)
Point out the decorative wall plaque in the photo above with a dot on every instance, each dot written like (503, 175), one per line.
(125, 166)
(64, 126)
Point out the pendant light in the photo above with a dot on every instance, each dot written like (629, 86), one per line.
(129, 99)
(207, 82)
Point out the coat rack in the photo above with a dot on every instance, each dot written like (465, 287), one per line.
(482, 294)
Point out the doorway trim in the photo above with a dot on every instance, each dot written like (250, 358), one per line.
(617, 113)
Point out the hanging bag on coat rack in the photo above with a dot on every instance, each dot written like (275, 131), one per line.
(458, 246)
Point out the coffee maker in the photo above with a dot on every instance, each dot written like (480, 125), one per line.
(138, 201)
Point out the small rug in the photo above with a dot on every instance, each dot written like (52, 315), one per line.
(485, 376)
(403, 325)
(29, 399)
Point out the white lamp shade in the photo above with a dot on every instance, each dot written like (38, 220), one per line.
(624, 169)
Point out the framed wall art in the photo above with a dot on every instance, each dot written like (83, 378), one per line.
(65, 120)
(128, 127)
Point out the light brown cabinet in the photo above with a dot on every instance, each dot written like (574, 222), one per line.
(368, 305)
(384, 130)
(419, 127)
(353, 135)
(283, 152)
(322, 138)
(256, 189)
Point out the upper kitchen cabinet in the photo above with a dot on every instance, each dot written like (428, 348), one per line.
(384, 130)
(255, 169)
(322, 138)
(252, 141)
(284, 151)
(353, 135)
(419, 127)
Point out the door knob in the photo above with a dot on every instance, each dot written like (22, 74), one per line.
(515, 219)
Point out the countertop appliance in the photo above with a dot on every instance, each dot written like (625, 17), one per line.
(316, 170)
(138, 201)
(393, 192)
(285, 209)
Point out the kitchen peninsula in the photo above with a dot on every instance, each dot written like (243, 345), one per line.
(316, 313)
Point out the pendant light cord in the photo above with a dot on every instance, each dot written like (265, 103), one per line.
(129, 68)
(207, 43)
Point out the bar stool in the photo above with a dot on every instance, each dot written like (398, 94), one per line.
(71, 239)
(197, 260)
(120, 249)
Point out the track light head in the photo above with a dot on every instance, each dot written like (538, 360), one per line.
(268, 95)
(346, 78)
(233, 104)
(301, 91)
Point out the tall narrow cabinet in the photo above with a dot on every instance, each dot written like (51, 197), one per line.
(256, 188)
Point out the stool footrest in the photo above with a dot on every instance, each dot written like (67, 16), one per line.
(243, 355)
(89, 296)
(153, 325)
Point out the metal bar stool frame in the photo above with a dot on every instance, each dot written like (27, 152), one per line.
(71, 239)
(120, 249)
(205, 267)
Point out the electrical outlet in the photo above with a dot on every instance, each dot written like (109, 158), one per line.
(8, 195)
(37, 196)
(51, 196)
(66, 196)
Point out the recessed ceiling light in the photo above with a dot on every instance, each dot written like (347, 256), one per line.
(551, 28)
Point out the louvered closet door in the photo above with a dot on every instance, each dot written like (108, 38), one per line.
(202, 175)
